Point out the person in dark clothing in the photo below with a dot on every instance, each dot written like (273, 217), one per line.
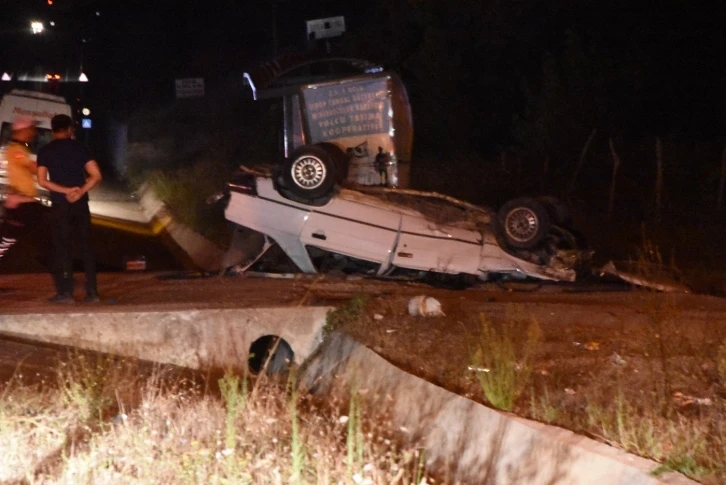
(381, 163)
(67, 170)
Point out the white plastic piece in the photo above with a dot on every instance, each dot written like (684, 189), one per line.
(425, 306)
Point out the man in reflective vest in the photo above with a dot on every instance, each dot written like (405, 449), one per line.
(21, 207)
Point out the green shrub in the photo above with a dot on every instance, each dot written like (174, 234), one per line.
(504, 368)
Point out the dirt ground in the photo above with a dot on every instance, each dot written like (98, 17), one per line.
(589, 340)
(615, 365)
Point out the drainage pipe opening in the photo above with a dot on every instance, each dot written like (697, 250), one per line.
(271, 353)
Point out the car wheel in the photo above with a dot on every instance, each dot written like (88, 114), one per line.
(310, 172)
(523, 222)
(340, 159)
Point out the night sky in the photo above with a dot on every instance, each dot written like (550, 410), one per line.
(638, 69)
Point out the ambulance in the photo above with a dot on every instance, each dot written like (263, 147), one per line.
(39, 106)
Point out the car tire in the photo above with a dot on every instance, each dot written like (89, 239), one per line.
(523, 223)
(310, 172)
(340, 159)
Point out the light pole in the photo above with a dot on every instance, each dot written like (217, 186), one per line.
(82, 77)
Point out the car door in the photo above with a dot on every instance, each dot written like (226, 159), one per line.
(353, 228)
(429, 246)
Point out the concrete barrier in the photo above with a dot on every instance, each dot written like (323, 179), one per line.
(199, 339)
(466, 441)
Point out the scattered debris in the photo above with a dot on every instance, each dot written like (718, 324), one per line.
(617, 360)
(592, 345)
(569, 391)
(377, 316)
(478, 369)
(425, 306)
(135, 263)
(655, 277)
(684, 400)
(120, 418)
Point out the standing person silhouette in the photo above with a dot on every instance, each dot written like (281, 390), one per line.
(383, 159)
(67, 170)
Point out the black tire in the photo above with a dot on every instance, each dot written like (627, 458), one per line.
(558, 211)
(310, 172)
(340, 159)
(523, 223)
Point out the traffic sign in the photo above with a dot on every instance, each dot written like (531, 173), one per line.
(191, 87)
(325, 28)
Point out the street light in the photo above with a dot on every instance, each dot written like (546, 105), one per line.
(36, 27)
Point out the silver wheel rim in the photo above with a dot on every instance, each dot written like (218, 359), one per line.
(521, 224)
(308, 172)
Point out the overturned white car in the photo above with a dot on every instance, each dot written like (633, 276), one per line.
(386, 232)
(347, 131)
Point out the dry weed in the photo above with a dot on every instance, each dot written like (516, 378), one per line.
(174, 433)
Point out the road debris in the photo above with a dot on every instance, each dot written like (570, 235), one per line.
(119, 419)
(617, 360)
(377, 316)
(655, 277)
(592, 345)
(425, 306)
(685, 400)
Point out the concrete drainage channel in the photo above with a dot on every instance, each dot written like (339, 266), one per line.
(198, 339)
(467, 442)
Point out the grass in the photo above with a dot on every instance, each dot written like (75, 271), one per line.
(542, 408)
(721, 363)
(345, 314)
(185, 192)
(503, 367)
(692, 445)
(682, 436)
(688, 438)
(685, 440)
(175, 430)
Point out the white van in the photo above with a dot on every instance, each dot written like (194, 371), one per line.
(39, 106)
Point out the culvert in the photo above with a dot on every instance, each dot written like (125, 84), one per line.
(272, 354)
(198, 339)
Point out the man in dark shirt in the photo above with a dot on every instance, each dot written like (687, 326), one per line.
(68, 171)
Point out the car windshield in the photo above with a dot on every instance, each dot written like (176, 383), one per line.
(44, 136)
